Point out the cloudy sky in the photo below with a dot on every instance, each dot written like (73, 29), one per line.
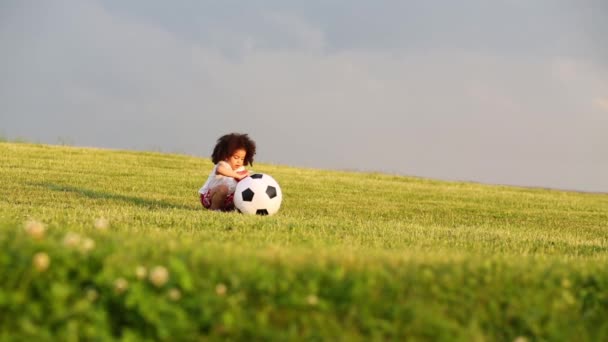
(507, 91)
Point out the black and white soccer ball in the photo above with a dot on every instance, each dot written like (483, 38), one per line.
(258, 194)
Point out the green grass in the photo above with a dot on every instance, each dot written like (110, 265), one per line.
(349, 255)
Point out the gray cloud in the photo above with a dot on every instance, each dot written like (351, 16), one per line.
(507, 27)
(312, 94)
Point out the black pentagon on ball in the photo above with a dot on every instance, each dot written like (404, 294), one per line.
(271, 191)
(262, 212)
(257, 175)
(247, 195)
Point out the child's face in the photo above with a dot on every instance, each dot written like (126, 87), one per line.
(237, 159)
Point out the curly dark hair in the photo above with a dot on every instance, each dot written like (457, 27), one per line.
(227, 144)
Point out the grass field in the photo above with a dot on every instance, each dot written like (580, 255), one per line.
(102, 244)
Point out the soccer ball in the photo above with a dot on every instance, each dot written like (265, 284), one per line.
(258, 194)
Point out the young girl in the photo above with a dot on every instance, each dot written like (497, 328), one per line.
(231, 154)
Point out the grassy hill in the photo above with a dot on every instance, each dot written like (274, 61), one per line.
(114, 244)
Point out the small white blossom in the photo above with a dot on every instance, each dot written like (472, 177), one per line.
(221, 289)
(312, 300)
(141, 272)
(121, 285)
(35, 229)
(159, 276)
(102, 223)
(71, 240)
(41, 261)
(174, 294)
(87, 244)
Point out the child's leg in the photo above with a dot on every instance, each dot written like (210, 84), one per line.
(218, 197)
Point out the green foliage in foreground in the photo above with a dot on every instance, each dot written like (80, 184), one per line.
(350, 255)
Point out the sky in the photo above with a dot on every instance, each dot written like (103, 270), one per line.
(510, 92)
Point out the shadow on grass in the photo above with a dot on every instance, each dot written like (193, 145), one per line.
(147, 203)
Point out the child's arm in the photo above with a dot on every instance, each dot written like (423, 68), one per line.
(225, 170)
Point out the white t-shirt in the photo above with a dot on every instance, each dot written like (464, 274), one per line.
(216, 179)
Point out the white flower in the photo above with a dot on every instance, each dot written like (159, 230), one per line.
(87, 244)
(102, 223)
(221, 289)
(159, 276)
(35, 229)
(71, 240)
(41, 261)
(312, 300)
(141, 272)
(121, 285)
(174, 294)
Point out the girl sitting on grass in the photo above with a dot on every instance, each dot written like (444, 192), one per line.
(231, 154)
